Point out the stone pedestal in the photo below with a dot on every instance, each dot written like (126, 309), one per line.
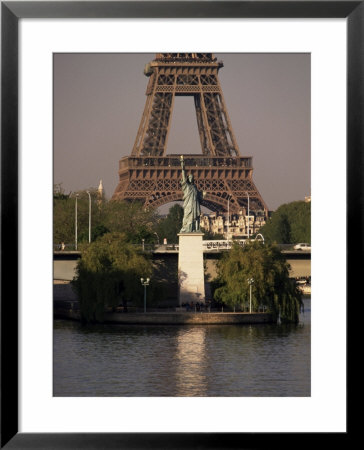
(191, 280)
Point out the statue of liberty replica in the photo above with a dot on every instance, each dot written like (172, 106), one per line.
(190, 254)
(192, 199)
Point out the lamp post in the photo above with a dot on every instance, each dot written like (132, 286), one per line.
(145, 283)
(76, 222)
(250, 281)
(248, 215)
(89, 217)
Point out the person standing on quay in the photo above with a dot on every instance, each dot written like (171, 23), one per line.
(191, 203)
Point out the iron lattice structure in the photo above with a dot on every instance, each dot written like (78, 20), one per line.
(152, 176)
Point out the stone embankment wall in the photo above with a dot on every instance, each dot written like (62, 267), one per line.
(62, 290)
(69, 310)
(182, 318)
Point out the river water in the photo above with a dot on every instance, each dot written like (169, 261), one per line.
(199, 360)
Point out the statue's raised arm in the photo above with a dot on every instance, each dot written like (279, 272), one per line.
(183, 169)
(191, 203)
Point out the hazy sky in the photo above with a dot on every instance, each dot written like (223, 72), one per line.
(99, 101)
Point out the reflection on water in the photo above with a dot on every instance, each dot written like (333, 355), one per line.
(212, 360)
(190, 358)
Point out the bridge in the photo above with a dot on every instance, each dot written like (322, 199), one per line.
(300, 261)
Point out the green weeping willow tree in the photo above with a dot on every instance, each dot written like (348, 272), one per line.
(271, 288)
(108, 274)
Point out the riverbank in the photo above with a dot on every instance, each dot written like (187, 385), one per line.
(66, 309)
(65, 306)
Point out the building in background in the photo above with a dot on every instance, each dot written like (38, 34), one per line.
(236, 226)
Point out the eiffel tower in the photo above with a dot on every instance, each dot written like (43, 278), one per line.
(151, 176)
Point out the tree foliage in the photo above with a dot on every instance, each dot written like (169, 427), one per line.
(130, 218)
(64, 215)
(108, 274)
(63, 220)
(290, 223)
(171, 225)
(272, 286)
(59, 192)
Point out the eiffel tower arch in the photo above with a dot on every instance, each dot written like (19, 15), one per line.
(153, 177)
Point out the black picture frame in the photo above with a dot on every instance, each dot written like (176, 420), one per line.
(11, 12)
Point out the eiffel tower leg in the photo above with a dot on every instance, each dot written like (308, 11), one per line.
(201, 127)
(155, 135)
(143, 126)
(230, 133)
(154, 127)
(204, 128)
(218, 129)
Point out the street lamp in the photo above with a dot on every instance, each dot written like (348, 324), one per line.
(145, 283)
(250, 281)
(89, 217)
(76, 222)
(248, 215)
